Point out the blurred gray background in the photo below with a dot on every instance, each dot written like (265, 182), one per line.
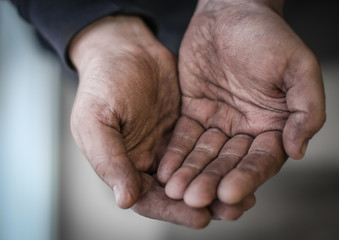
(49, 191)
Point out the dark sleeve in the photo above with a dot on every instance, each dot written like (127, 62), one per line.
(58, 21)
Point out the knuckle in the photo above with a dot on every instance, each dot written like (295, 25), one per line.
(254, 171)
(180, 150)
(208, 149)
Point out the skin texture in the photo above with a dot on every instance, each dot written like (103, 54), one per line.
(125, 109)
(252, 95)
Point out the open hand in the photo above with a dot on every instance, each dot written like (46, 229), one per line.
(251, 91)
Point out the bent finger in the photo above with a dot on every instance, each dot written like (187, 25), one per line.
(203, 189)
(154, 203)
(305, 100)
(222, 211)
(185, 136)
(106, 152)
(206, 149)
(265, 158)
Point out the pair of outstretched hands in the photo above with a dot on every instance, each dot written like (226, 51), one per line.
(245, 94)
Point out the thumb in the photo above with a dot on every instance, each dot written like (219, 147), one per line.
(305, 100)
(104, 147)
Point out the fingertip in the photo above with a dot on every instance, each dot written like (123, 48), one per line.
(127, 190)
(202, 191)
(230, 190)
(126, 197)
(299, 153)
(195, 200)
(168, 165)
(201, 222)
(178, 183)
(233, 214)
(228, 195)
(222, 211)
(163, 175)
(299, 129)
(200, 218)
(295, 148)
(250, 202)
(173, 190)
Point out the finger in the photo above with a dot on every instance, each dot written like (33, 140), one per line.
(203, 189)
(185, 136)
(205, 150)
(222, 211)
(306, 102)
(154, 203)
(249, 202)
(265, 158)
(105, 150)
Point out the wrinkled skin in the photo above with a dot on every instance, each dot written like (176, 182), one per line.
(126, 106)
(252, 95)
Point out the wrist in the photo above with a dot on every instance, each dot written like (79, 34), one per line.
(109, 35)
(214, 5)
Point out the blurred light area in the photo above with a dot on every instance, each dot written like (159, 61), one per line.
(29, 95)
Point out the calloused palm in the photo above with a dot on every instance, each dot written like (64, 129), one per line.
(251, 91)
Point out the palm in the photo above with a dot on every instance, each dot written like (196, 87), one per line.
(143, 98)
(237, 75)
(125, 105)
(239, 86)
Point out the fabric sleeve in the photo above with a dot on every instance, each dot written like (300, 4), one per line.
(58, 21)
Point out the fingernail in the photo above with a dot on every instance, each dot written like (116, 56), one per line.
(117, 193)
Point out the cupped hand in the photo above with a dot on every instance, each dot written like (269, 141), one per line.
(251, 92)
(127, 100)
(126, 105)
